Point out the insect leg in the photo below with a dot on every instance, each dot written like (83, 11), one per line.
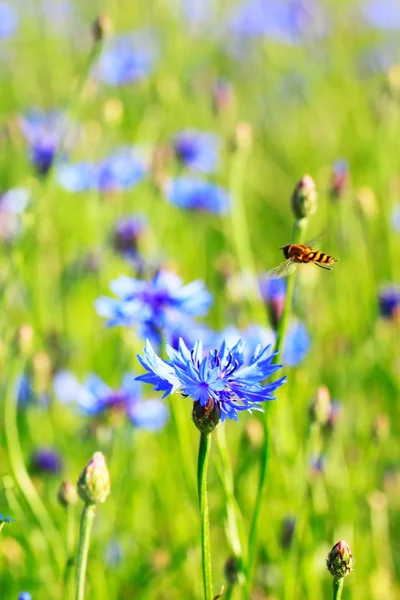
(322, 267)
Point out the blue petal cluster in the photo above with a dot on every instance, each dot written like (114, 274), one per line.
(94, 397)
(4, 519)
(153, 305)
(8, 21)
(297, 344)
(223, 375)
(389, 301)
(382, 14)
(284, 20)
(47, 460)
(198, 150)
(127, 233)
(43, 132)
(122, 170)
(196, 194)
(127, 58)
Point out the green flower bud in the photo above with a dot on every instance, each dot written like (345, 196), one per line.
(340, 560)
(67, 494)
(320, 408)
(304, 198)
(206, 418)
(94, 482)
(101, 27)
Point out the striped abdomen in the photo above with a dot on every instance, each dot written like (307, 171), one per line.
(316, 256)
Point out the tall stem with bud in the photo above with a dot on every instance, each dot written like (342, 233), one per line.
(340, 563)
(202, 468)
(304, 203)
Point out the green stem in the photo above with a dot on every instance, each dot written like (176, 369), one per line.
(299, 229)
(20, 473)
(337, 588)
(70, 513)
(202, 467)
(88, 514)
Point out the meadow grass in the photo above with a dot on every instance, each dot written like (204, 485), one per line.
(307, 105)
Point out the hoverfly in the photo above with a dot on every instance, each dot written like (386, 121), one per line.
(301, 253)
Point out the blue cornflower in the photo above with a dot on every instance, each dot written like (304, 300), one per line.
(43, 131)
(382, 14)
(94, 397)
(297, 343)
(25, 596)
(189, 330)
(8, 21)
(198, 150)
(196, 194)
(4, 519)
(340, 177)
(389, 301)
(273, 292)
(154, 305)
(12, 205)
(284, 20)
(47, 460)
(123, 169)
(221, 377)
(24, 391)
(127, 59)
(127, 233)
(396, 218)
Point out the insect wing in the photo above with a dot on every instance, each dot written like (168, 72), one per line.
(282, 270)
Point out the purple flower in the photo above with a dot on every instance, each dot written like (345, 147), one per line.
(382, 14)
(198, 150)
(196, 194)
(273, 292)
(389, 301)
(284, 20)
(221, 377)
(127, 58)
(153, 305)
(47, 460)
(43, 132)
(8, 21)
(340, 177)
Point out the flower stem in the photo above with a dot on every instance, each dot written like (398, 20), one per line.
(70, 513)
(337, 588)
(299, 230)
(202, 467)
(88, 514)
(20, 473)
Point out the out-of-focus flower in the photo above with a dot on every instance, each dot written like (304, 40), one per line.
(127, 233)
(382, 14)
(197, 194)
(273, 292)
(101, 27)
(127, 58)
(334, 414)
(317, 464)
(24, 390)
(320, 407)
(114, 554)
(396, 218)
(12, 205)
(43, 132)
(304, 198)
(296, 345)
(47, 460)
(123, 169)
(25, 596)
(289, 21)
(223, 95)
(198, 150)
(287, 532)
(67, 494)
(189, 330)
(120, 171)
(220, 381)
(94, 397)
(340, 178)
(8, 21)
(153, 305)
(389, 301)
(4, 519)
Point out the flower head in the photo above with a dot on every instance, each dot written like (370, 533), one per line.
(389, 302)
(4, 519)
(127, 58)
(221, 376)
(197, 194)
(297, 344)
(12, 205)
(47, 460)
(67, 494)
(396, 218)
(42, 131)
(25, 596)
(8, 20)
(382, 14)
(304, 198)
(340, 178)
(127, 233)
(273, 292)
(154, 305)
(198, 150)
